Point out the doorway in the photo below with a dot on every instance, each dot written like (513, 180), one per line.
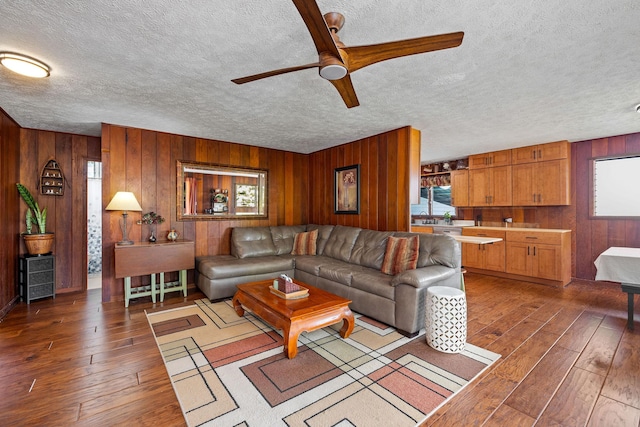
(94, 225)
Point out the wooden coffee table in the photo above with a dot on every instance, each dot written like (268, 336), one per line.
(294, 316)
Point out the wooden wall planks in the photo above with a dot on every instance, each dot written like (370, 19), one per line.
(66, 215)
(596, 235)
(9, 213)
(144, 162)
(384, 176)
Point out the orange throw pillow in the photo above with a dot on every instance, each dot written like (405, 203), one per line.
(401, 254)
(305, 243)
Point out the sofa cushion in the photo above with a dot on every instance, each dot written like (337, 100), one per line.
(373, 281)
(247, 242)
(401, 255)
(336, 271)
(370, 248)
(311, 264)
(283, 236)
(436, 249)
(305, 243)
(324, 232)
(341, 242)
(226, 266)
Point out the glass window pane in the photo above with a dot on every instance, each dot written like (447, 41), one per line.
(615, 187)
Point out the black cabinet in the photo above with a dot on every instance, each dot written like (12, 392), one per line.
(37, 277)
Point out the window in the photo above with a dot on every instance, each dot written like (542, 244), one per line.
(616, 184)
(435, 201)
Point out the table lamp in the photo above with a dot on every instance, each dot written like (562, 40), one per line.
(124, 201)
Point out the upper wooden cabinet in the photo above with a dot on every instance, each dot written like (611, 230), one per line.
(460, 187)
(489, 160)
(490, 186)
(541, 152)
(541, 184)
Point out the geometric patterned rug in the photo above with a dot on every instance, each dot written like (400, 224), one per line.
(228, 370)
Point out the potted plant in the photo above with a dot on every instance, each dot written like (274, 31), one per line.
(41, 241)
(151, 219)
(447, 217)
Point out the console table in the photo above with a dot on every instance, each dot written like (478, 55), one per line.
(622, 265)
(146, 258)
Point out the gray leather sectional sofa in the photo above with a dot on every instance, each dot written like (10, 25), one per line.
(348, 263)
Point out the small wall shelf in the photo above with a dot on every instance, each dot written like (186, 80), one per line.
(52, 181)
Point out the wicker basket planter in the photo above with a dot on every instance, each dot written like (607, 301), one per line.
(39, 244)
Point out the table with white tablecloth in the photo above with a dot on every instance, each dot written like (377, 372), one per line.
(619, 264)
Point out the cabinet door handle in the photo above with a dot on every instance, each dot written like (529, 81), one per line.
(531, 237)
(540, 154)
(528, 251)
(534, 251)
(534, 197)
(534, 154)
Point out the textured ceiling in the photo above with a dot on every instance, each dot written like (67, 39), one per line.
(526, 72)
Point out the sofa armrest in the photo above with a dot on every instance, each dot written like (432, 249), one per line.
(423, 277)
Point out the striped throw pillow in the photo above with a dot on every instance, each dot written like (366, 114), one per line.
(401, 254)
(305, 243)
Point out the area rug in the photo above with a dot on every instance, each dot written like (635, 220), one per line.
(231, 371)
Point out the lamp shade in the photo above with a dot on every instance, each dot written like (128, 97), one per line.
(124, 201)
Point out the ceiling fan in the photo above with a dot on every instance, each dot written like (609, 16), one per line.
(337, 61)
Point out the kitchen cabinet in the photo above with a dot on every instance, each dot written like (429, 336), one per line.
(422, 229)
(490, 186)
(539, 254)
(460, 187)
(541, 152)
(487, 256)
(543, 183)
(490, 160)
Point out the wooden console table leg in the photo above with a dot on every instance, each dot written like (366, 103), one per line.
(127, 291)
(153, 288)
(183, 282)
(162, 287)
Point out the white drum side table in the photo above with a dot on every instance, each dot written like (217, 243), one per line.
(446, 319)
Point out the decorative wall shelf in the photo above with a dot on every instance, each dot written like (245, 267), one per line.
(52, 180)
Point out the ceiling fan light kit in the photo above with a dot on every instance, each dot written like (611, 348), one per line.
(337, 61)
(24, 65)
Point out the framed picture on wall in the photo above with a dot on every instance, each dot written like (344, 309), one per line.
(347, 190)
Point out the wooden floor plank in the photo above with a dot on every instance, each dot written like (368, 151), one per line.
(505, 415)
(623, 381)
(576, 397)
(598, 353)
(534, 392)
(609, 412)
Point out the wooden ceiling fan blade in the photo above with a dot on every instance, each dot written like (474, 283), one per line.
(317, 26)
(255, 77)
(347, 91)
(362, 56)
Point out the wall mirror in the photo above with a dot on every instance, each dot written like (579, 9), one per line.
(210, 192)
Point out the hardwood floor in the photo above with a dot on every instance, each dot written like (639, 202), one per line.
(567, 359)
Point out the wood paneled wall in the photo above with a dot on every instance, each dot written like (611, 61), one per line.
(66, 215)
(385, 176)
(144, 162)
(594, 236)
(9, 211)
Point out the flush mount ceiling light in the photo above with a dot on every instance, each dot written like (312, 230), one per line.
(24, 65)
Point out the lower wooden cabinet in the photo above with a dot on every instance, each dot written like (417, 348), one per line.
(536, 255)
(487, 257)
